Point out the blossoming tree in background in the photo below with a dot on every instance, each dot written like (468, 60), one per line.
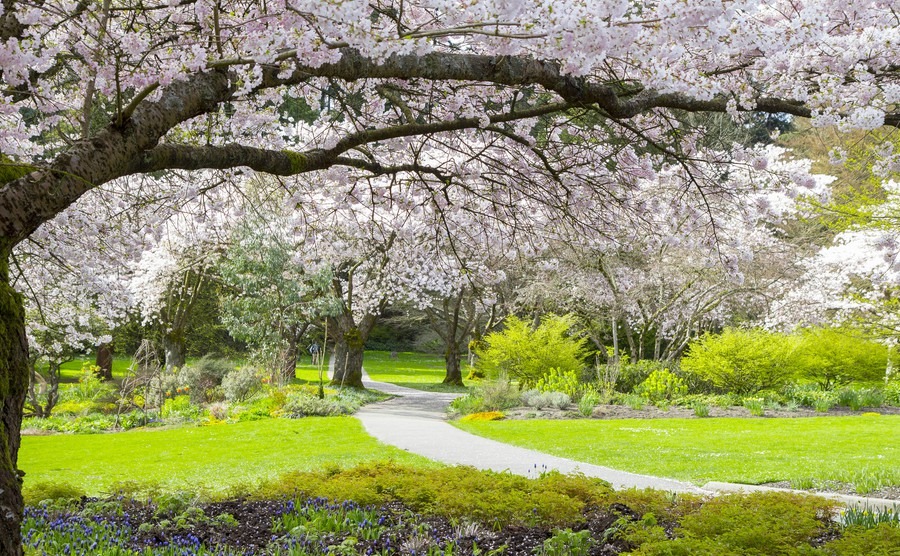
(102, 92)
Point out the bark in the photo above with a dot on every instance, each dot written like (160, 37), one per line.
(289, 359)
(13, 387)
(174, 349)
(104, 361)
(454, 369)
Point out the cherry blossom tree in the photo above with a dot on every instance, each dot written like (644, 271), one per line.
(562, 103)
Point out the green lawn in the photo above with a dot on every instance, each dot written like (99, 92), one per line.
(422, 371)
(71, 370)
(735, 450)
(212, 458)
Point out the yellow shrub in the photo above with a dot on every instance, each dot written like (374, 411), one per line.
(484, 416)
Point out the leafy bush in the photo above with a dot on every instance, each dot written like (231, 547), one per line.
(835, 356)
(588, 402)
(881, 540)
(89, 387)
(485, 497)
(540, 400)
(527, 354)
(204, 377)
(662, 385)
(758, 523)
(633, 374)
(239, 384)
(559, 381)
(740, 361)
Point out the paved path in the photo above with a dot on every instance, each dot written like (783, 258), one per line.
(414, 420)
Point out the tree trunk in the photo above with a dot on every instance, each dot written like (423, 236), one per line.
(340, 359)
(174, 348)
(104, 361)
(454, 370)
(289, 359)
(13, 386)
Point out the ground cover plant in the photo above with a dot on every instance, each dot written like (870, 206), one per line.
(862, 450)
(201, 458)
(388, 509)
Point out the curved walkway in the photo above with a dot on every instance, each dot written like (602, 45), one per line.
(414, 420)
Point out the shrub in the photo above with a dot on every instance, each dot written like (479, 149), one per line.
(567, 543)
(484, 416)
(204, 377)
(758, 523)
(633, 374)
(835, 356)
(40, 492)
(559, 381)
(497, 395)
(540, 400)
(588, 402)
(485, 497)
(662, 385)
(239, 384)
(881, 540)
(527, 354)
(741, 361)
(89, 387)
(756, 406)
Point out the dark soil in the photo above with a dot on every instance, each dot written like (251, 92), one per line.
(251, 531)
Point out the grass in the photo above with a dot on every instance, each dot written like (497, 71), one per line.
(214, 458)
(422, 371)
(750, 451)
(70, 371)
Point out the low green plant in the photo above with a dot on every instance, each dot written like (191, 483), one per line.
(871, 397)
(662, 385)
(757, 523)
(822, 405)
(557, 380)
(700, 409)
(566, 542)
(588, 402)
(634, 401)
(490, 395)
(756, 406)
(869, 518)
(881, 540)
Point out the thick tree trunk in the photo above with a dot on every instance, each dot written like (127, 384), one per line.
(174, 349)
(348, 360)
(454, 369)
(289, 360)
(13, 387)
(339, 357)
(104, 361)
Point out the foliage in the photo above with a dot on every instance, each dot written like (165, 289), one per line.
(566, 542)
(756, 406)
(490, 395)
(485, 497)
(700, 409)
(484, 416)
(588, 402)
(527, 354)
(240, 384)
(881, 540)
(633, 374)
(835, 356)
(204, 378)
(870, 517)
(540, 400)
(757, 523)
(558, 381)
(741, 361)
(662, 385)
